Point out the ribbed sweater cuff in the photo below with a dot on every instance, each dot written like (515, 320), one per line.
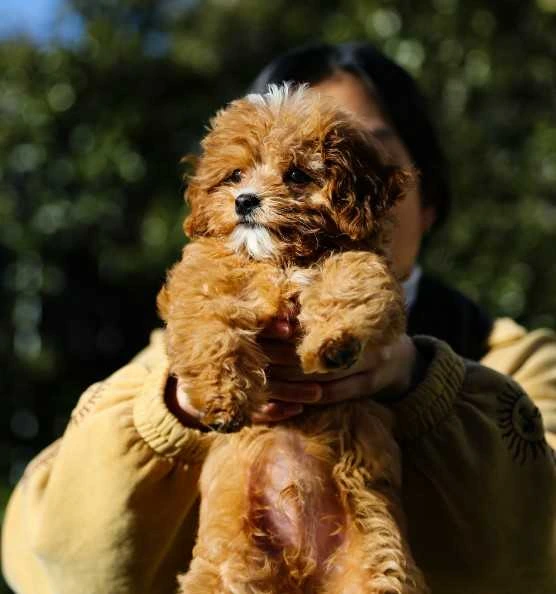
(162, 431)
(431, 400)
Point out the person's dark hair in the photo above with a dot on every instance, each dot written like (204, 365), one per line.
(397, 92)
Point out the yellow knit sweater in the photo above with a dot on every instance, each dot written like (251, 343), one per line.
(110, 508)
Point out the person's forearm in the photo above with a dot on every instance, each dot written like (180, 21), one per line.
(105, 506)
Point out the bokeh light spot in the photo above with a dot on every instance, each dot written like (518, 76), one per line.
(61, 97)
(384, 23)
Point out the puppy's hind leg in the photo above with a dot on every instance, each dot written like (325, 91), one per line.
(377, 558)
(354, 300)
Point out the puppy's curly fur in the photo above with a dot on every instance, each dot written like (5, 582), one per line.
(289, 209)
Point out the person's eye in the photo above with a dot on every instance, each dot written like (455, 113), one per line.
(297, 176)
(234, 177)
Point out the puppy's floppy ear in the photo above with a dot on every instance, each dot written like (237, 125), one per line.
(363, 186)
(195, 224)
(162, 303)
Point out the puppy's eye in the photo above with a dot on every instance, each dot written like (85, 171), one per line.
(297, 176)
(234, 177)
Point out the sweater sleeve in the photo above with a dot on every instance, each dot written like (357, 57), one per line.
(479, 480)
(111, 506)
(530, 359)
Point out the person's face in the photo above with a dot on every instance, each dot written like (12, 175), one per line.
(412, 219)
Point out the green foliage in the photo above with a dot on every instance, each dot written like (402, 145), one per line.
(91, 136)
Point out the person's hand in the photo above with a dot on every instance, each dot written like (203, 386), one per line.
(387, 371)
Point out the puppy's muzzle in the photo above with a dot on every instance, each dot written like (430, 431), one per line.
(247, 203)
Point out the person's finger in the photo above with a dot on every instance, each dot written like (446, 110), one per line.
(273, 412)
(280, 352)
(289, 373)
(285, 366)
(303, 392)
(354, 386)
(294, 374)
(281, 328)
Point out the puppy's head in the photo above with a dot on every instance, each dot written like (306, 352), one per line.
(287, 174)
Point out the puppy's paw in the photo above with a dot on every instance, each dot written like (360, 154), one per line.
(225, 416)
(225, 421)
(340, 353)
(322, 356)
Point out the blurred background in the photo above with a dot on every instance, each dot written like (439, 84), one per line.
(100, 98)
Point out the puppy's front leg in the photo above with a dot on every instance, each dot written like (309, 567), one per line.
(353, 301)
(214, 304)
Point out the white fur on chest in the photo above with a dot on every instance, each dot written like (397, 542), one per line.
(302, 276)
(254, 239)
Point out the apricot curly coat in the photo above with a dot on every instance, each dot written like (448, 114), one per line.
(289, 210)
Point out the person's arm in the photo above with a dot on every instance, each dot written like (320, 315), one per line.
(479, 479)
(110, 507)
(530, 359)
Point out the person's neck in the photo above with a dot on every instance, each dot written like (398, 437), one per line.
(411, 286)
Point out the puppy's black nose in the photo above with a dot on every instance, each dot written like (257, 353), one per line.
(245, 203)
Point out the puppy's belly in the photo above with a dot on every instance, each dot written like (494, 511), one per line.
(294, 506)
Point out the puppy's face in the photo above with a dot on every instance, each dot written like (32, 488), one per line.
(287, 175)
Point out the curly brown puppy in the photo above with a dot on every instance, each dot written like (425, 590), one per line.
(289, 208)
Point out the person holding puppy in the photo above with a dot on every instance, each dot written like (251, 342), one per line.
(112, 506)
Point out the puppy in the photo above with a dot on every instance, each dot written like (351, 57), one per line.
(290, 213)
